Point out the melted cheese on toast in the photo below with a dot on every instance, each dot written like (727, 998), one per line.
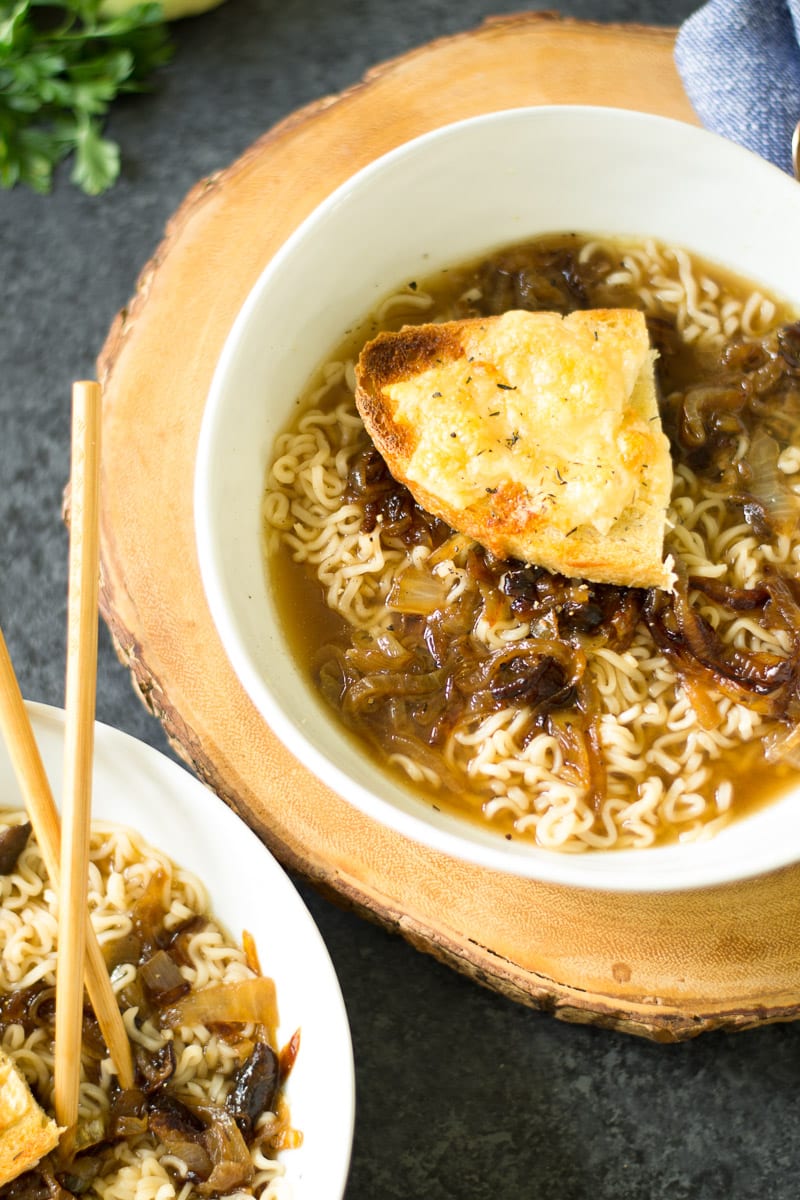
(26, 1131)
(536, 434)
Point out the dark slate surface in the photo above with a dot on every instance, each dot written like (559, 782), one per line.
(460, 1093)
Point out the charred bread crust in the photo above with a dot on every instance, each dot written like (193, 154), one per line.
(388, 359)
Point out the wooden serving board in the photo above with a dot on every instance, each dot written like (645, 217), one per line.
(665, 966)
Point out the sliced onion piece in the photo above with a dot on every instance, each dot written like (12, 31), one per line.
(769, 484)
(415, 590)
(240, 1002)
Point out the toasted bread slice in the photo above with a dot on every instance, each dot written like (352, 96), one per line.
(26, 1131)
(536, 434)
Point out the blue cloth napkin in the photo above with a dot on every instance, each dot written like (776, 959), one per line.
(740, 64)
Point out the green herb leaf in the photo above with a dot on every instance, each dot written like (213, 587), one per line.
(62, 64)
(96, 164)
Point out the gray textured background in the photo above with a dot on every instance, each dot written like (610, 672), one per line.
(460, 1093)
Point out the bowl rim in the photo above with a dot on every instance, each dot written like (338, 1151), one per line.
(138, 770)
(657, 870)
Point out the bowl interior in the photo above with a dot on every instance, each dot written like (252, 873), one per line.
(439, 200)
(137, 787)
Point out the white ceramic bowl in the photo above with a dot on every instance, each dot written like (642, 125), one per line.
(442, 199)
(137, 787)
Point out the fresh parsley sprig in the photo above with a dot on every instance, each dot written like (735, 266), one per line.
(61, 65)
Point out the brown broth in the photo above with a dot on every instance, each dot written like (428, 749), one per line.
(299, 592)
(308, 622)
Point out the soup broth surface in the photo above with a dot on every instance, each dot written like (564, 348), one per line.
(574, 714)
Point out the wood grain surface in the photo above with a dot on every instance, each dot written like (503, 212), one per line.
(664, 966)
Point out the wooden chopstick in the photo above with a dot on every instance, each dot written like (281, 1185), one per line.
(79, 705)
(35, 787)
(67, 863)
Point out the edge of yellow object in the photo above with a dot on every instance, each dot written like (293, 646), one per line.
(173, 9)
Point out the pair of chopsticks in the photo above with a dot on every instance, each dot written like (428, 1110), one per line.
(65, 850)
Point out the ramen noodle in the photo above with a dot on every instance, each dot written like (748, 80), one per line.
(207, 1114)
(575, 715)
